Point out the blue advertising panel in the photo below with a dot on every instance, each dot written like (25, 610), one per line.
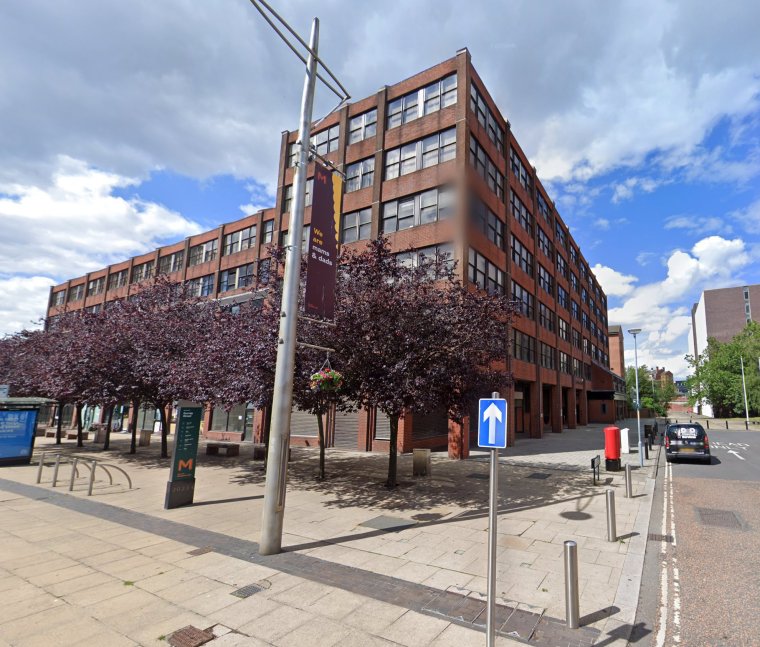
(17, 436)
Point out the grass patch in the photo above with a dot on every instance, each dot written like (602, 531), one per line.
(128, 583)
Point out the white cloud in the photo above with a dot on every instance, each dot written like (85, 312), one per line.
(72, 225)
(698, 225)
(613, 283)
(643, 258)
(748, 218)
(662, 308)
(602, 223)
(625, 190)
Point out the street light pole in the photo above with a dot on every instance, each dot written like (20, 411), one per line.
(277, 459)
(744, 388)
(634, 332)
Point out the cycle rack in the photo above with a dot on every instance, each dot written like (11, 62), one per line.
(94, 464)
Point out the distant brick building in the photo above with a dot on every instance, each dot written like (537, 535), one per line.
(721, 314)
(617, 350)
(432, 163)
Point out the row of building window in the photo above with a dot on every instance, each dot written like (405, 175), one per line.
(483, 273)
(420, 209)
(434, 149)
(424, 101)
(487, 221)
(485, 167)
(486, 118)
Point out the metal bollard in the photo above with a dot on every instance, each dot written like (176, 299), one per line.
(92, 477)
(39, 469)
(726, 424)
(611, 525)
(628, 483)
(73, 472)
(646, 449)
(708, 424)
(572, 610)
(55, 468)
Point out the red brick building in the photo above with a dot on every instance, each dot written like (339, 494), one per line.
(432, 163)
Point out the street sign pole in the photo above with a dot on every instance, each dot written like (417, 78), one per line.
(492, 433)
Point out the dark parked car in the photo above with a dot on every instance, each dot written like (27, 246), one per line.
(687, 441)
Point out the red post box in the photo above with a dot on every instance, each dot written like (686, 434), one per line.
(612, 449)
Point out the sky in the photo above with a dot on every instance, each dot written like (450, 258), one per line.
(125, 126)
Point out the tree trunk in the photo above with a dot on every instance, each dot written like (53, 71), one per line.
(133, 426)
(321, 428)
(164, 432)
(393, 454)
(107, 443)
(79, 424)
(59, 423)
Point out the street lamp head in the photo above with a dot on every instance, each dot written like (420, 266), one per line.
(634, 331)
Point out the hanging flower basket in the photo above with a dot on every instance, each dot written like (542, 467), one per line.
(326, 380)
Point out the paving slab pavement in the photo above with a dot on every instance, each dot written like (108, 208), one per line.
(119, 563)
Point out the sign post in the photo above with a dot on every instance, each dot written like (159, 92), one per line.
(492, 434)
(181, 485)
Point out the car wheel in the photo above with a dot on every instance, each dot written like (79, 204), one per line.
(668, 459)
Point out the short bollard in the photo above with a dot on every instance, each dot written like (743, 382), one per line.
(628, 483)
(73, 473)
(55, 469)
(572, 611)
(726, 424)
(92, 477)
(39, 469)
(611, 525)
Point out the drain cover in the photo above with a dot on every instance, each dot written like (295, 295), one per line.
(247, 591)
(655, 537)
(190, 637)
(539, 475)
(719, 518)
(384, 522)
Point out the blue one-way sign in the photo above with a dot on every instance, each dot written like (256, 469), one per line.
(492, 423)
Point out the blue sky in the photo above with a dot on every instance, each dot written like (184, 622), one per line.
(130, 126)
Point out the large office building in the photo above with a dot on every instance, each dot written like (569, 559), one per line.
(721, 315)
(432, 163)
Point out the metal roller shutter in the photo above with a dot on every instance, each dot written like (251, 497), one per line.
(382, 426)
(346, 430)
(303, 423)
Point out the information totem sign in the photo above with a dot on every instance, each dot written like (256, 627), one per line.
(17, 431)
(181, 486)
(322, 259)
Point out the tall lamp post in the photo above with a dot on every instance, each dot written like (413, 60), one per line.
(634, 332)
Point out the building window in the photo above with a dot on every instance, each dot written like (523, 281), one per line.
(563, 298)
(487, 222)
(267, 231)
(171, 262)
(360, 175)
(486, 118)
(236, 277)
(204, 252)
(484, 273)
(76, 293)
(576, 338)
(93, 310)
(292, 154)
(548, 356)
(584, 295)
(564, 362)
(543, 207)
(525, 347)
(419, 209)
(325, 141)
(521, 213)
(117, 279)
(573, 255)
(357, 225)
(142, 272)
(59, 298)
(544, 244)
(423, 101)
(563, 328)
(524, 299)
(561, 265)
(435, 149)
(575, 309)
(559, 235)
(577, 367)
(545, 280)
(439, 254)
(521, 256)
(203, 286)
(546, 317)
(362, 126)
(95, 287)
(585, 321)
(573, 281)
(287, 200)
(305, 233)
(485, 168)
(586, 347)
(519, 169)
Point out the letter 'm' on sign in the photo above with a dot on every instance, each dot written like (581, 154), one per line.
(185, 465)
(322, 259)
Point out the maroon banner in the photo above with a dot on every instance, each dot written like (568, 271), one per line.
(322, 261)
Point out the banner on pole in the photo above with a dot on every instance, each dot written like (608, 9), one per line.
(322, 260)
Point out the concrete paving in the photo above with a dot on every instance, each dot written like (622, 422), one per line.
(363, 565)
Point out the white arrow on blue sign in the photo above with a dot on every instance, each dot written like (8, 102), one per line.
(492, 423)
